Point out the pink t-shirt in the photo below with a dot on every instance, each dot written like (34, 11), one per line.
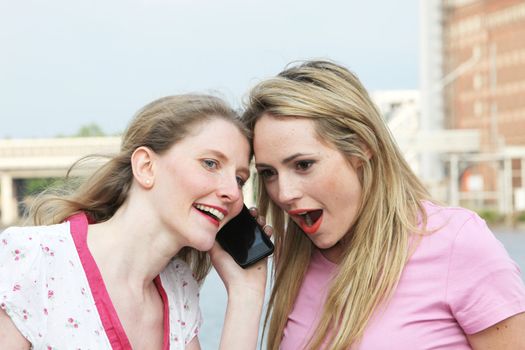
(460, 280)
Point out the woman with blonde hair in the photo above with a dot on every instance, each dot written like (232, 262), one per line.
(364, 259)
(119, 261)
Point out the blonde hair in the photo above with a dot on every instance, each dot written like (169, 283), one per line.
(158, 125)
(378, 245)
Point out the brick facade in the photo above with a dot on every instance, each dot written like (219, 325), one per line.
(490, 95)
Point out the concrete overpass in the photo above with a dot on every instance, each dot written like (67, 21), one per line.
(40, 158)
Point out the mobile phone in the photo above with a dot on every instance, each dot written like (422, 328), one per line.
(244, 239)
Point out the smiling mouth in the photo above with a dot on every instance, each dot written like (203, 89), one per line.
(209, 211)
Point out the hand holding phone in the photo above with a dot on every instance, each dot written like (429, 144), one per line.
(244, 239)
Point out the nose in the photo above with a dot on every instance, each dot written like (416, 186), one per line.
(229, 190)
(288, 190)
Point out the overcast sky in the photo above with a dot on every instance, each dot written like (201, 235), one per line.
(68, 63)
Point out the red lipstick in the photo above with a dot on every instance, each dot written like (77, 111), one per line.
(309, 220)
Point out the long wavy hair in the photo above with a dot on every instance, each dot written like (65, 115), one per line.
(158, 126)
(390, 209)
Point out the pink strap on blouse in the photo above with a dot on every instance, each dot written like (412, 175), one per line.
(106, 310)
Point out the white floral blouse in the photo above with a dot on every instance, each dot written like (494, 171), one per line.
(51, 288)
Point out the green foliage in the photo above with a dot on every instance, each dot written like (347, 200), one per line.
(33, 187)
(491, 216)
(521, 217)
(90, 130)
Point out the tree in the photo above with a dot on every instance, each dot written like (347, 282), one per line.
(90, 130)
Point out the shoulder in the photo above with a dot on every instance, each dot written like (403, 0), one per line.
(29, 236)
(28, 256)
(462, 242)
(471, 244)
(450, 230)
(467, 234)
(460, 227)
(448, 219)
(22, 246)
(483, 284)
(26, 251)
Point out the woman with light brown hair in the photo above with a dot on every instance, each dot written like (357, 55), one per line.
(119, 262)
(364, 258)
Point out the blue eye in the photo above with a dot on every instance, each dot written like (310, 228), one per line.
(210, 163)
(240, 181)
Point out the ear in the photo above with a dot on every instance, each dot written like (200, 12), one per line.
(357, 162)
(142, 161)
(368, 152)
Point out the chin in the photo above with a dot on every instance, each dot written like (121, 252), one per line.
(322, 244)
(203, 245)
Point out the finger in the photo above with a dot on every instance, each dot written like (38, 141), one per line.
(261, 220)
(268, 230)
(254, 211)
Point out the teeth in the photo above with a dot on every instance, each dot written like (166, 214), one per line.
(212, 211)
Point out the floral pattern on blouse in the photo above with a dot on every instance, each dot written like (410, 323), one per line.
(45, 292)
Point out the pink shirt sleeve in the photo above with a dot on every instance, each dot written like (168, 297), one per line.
(484, 284)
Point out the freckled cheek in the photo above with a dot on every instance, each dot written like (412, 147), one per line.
(328, 183)
(339, 190)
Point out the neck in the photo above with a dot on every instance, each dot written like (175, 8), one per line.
(131, 248)
(333, 254)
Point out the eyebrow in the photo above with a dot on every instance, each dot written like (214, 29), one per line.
(285, 160)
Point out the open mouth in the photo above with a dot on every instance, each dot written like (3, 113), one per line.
(308, 220)
(211, 212)
(311, 217)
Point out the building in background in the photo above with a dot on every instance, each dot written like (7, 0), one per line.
(401, 110)
(473, 78)
(490, 95)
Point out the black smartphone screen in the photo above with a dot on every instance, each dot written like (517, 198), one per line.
(243, 238)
